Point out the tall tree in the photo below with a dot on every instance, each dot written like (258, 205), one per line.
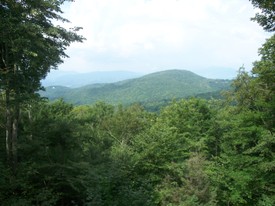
(30, 45)
(264, 70)
(245, 167)
(264, 81)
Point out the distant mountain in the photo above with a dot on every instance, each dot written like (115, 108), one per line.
(149, 88)
(217, 72)
(74, 79)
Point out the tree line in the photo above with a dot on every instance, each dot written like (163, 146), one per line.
(192, 152)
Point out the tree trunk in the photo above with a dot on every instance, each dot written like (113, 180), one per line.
(8, 128)
(11, 106)
(12, 119)
(14, 137)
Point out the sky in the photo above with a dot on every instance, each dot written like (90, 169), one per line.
(213, 38)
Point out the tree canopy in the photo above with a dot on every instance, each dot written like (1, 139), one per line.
(192, 152)
(31, 44)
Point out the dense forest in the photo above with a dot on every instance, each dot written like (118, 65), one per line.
(191, 152)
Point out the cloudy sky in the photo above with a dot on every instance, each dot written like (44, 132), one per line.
(209, 37)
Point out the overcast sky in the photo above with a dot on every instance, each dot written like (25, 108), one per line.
(210, 37)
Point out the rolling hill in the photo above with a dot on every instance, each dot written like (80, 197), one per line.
(153, 87)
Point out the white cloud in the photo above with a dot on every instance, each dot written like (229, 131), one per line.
(133, 34)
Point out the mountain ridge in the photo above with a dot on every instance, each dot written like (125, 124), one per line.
(156, 86)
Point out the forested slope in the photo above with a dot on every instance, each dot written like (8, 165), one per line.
(165, 85)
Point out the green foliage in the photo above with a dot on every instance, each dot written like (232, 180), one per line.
(264, 74)
(107, 134)
(30, 43)
(193, 152)
(156, 87)
(266, 17)
(50, 169)
(194, 188)
(164, 150)
(243, 169)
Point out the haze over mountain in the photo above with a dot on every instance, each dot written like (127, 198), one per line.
(74, 79)
(152, 87)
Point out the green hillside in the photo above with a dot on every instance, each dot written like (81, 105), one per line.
(149, 88)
